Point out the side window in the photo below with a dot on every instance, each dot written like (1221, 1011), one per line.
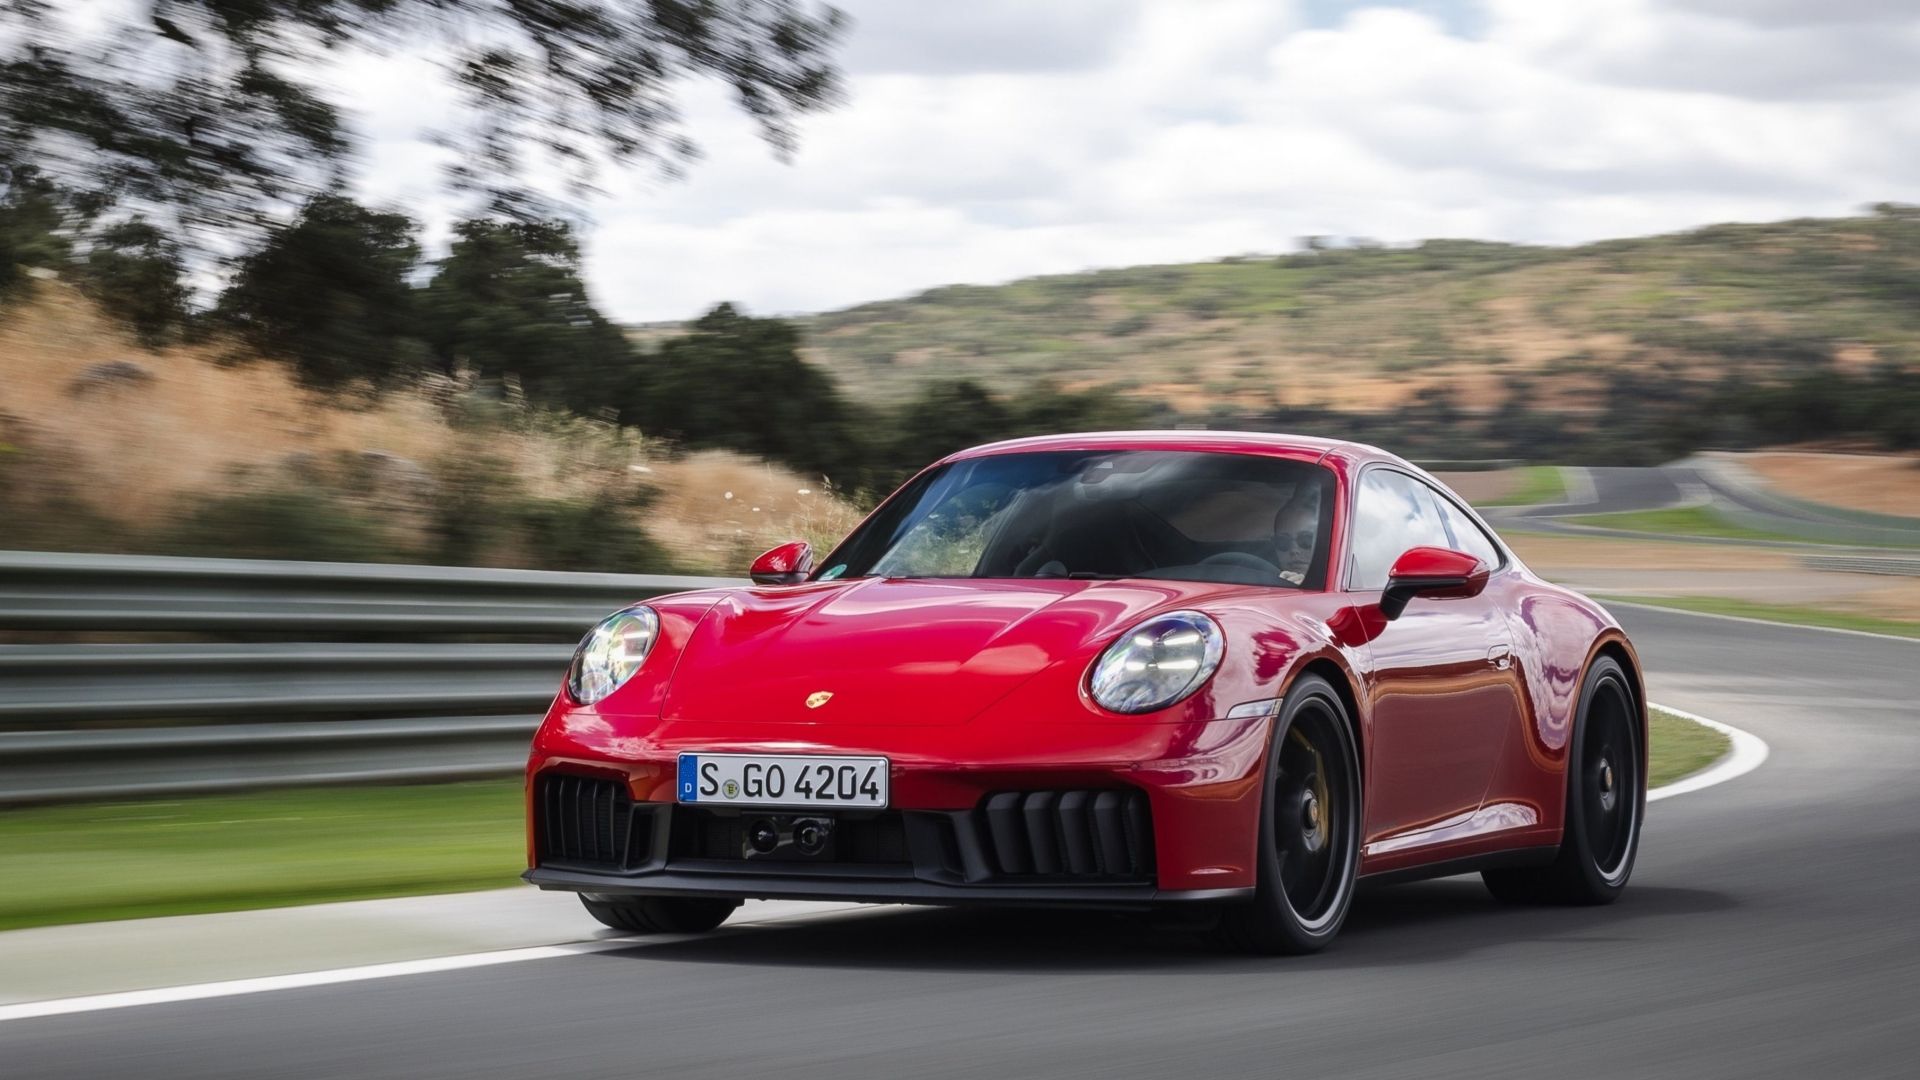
(1392, 513)
(1467, 536)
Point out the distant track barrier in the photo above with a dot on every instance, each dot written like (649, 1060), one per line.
(1892, 566)
(143, 676)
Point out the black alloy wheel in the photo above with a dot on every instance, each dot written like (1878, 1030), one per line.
(1606, 800)
(1309, 849)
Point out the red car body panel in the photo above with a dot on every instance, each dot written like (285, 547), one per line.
(1464, 706)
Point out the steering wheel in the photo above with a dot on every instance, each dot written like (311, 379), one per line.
(1242, 560)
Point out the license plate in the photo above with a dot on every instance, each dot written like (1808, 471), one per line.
(781, 780)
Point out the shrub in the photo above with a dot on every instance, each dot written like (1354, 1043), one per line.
(285, 523)
(586, 534)
(134, 271)
(42, 506)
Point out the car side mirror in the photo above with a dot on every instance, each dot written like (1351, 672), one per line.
(1431, 571)
(785, 565)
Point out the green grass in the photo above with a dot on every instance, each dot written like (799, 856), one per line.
(1678, 747)
(1798, 615)
(70, 864)
(73, 864)
(1682, 521)
(1540, 485)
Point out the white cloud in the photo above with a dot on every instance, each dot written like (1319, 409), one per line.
(991, 142)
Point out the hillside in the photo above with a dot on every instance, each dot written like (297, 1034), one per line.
(105, 446)
(1366, 328)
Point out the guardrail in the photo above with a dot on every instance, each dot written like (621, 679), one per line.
(1892, 565)
(278, 672)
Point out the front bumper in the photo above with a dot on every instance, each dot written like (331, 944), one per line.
(1196, 784)
(1088, 847)
(868, 890)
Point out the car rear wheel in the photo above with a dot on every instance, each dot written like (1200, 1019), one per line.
(1606, 798)
(1309, 848)
(661, 914)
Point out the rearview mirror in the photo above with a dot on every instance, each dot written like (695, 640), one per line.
(785, 565)
(1434, 572)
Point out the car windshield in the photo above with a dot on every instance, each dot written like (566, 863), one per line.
(1235, 518)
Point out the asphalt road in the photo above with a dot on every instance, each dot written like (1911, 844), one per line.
(1610, 490)
(1770, 930)
(1737, 494)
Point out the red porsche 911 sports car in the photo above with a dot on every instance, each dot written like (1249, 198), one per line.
(1126, 670)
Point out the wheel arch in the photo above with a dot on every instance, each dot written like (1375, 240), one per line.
(1612, 644)
(1342, 683)
(1621, 652)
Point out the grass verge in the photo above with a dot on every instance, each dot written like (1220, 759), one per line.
(1795, 614)
(1539, 485)
(1681, 521)
(71, 864)
(67, 864)
(1678, 747)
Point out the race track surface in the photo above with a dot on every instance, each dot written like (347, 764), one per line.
(1770, 930)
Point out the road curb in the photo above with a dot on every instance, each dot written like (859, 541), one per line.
(1749, 751)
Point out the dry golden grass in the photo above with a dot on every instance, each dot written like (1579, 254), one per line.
(1482, 486)
(718, 509)
(1881, 483)
(1898, 599)
(135, 450)
(139, 446)
(1765, 576)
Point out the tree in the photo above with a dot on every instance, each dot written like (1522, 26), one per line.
(32, 226)
(135, 273)
(738, 382)
(330, 294)
(953, 415)
(1045, 408)
(945, 417)
(211, 113)
(508, 300)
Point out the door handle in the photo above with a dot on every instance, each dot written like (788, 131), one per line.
(1500, 657)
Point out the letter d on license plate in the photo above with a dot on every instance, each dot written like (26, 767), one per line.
(781, 780)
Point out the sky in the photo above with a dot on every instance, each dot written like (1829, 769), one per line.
(997, 139)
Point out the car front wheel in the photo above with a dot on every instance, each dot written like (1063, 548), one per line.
(1309, 847)
(661, 914)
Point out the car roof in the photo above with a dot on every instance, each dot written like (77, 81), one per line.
(1269, 444)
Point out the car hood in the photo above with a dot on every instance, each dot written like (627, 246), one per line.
(898, 652)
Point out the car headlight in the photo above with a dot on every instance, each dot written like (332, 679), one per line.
(1157, 663)
(611, 652)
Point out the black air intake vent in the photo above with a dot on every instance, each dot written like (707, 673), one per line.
(588, 821)
(1068, 834)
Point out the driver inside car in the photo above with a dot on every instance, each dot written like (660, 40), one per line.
(1296, 528)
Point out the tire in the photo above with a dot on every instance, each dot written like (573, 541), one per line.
(1606, 802)
(661, 914)
(1309, 844)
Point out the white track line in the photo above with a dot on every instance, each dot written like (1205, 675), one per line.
(169, 994)
(1749, 750)
(1618, 602)
(234, 987)
(1747, 754)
